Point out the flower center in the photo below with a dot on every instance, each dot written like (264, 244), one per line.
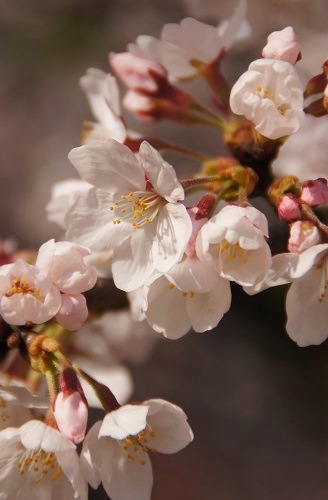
(232, 252)
(135, 446)
(40, 464)
(137, 208)
(21, 286)
(191, 295)
(267, 94)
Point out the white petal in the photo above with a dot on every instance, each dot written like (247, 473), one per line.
(92, 455)
(205, 310)
(128, 420)
(161, 174)
(174, 229)
(110, 166)
(169, 423)
(90, 223)
(193, 275)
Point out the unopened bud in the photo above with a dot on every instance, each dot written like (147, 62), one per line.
(289, 207)
(283, 45)
(70, 407)
(315, 192)
(73, 311)
(282, 186)
(303, 235)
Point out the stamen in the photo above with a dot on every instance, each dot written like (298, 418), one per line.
(137, 208)
(34, 461)
(233, 251)
(21, 286)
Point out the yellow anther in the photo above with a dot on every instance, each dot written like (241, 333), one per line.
(184, 294)
(170, 286)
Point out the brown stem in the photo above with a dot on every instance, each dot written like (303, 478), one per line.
(308, 214)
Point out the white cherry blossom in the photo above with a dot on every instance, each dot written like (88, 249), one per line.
(12, 412)
(115, 451)
(234, 241)
(27, 295)
(36, 461)
(304, 154)
(134, 210)
(270, 95)
(102, 93)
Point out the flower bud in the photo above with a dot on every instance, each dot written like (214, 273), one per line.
(282, 186)
(138, 73)
(70, 407)
(283, 45)
(303, 235)
(289, 207)
(315, 192)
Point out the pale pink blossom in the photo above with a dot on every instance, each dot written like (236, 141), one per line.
(64, 263)
(270, 95)
(73, 311)
(315, 192)
(234, 241)
(143, 106)
(289, 207)
(283, 45)
(27, 295)
(36, 461)
(115, 451)
(303, 235)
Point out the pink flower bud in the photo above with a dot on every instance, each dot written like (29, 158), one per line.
(73, 312)
(303, 235)
(315, 192)
(283, 45)
(70, 408)
(138, 73)
(289, 208)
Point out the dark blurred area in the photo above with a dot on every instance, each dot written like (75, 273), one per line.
(257, 403)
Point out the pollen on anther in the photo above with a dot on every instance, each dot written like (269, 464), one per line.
(170, 286)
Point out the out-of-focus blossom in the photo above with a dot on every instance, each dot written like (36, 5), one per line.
(64, 263)
(63, 196)
(302, 235)
(134, 210)
(137, 72)
(115, 451)
(36, 461)
(289, 207)
(283, 45)
(12, 412)
(304, 154)
(270, 95)
(16, 392)
(27, 295)
(102, 93)
(115, 334)
(315, 192)
(234, 241)
(183, 47)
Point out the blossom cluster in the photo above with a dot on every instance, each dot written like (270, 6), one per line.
(129, 221)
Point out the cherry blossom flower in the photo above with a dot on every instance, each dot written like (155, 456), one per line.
(27, 295)
(16, 392)
(270, 95)
(115, 451)
(64, 263)
(283, 45)
(234, 241)
(36, 461)
(137, 71)
(102, 92)
(191, 294)
(192, 41)
(303, 235)
(304, 154)
(133, 211)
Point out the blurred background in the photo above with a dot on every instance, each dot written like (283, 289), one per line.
(257, 403)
